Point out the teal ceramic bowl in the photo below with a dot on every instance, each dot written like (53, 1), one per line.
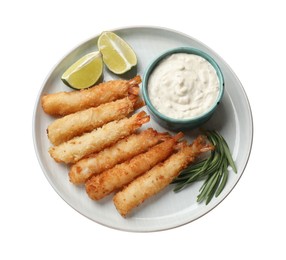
(181, 124)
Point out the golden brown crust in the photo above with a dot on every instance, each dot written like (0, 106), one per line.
(121, 151)
(69, 126)
(115, 178)
(64, 103)
(158, 177)
(100, 138)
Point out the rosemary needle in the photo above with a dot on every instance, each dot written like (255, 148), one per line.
(213, 170)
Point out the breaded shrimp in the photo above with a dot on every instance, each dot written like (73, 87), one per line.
(121, 151)
(64, 103)
(100, 138)
(158, 177)
(115, 178)
(69, 126)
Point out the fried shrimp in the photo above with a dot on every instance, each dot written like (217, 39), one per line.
(69, 126)
(64, 103)
(158, 177)
(115, 178)
(100, 138)
(121, 151)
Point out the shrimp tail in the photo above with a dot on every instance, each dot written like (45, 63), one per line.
(139, 103)
(133, 87)
(133, 90)
(133, 99)
(201, 145)
(136, 101)
(135, 81)
(178, 136)
(142, 118)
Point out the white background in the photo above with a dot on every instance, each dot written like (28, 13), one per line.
(35, 223)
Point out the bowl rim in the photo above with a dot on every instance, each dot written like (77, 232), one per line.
(158, 59)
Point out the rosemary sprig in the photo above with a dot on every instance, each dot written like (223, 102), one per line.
(213, 170)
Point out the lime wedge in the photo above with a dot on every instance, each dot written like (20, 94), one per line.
(85, 72)
(118, 56)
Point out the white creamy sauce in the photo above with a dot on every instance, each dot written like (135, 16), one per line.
(183, 86)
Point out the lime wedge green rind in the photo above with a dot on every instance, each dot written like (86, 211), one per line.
(85, 72)
(117, 54)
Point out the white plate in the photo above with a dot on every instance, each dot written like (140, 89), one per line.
(233, 120)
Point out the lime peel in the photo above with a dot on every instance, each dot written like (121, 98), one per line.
(117, 54)
(85, 72)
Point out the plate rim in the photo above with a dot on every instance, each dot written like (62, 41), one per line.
(170, 226)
